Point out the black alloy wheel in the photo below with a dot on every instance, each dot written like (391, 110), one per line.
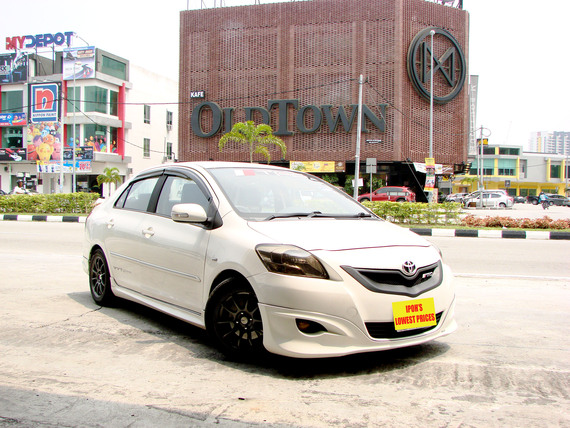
(100, 279)
(234, 320)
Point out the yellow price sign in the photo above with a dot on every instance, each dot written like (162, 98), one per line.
(417, 313)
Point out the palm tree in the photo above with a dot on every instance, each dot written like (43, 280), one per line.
(470, 181)
(110, 175)
(258, 138)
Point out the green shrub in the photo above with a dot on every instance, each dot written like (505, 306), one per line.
(417, 213)
(57, 203)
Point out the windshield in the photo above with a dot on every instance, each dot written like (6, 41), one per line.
(266, 194)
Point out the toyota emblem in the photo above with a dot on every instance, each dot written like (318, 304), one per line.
(409, 268)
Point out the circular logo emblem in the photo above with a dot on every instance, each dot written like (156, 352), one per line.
(409, 268)
(449, 69)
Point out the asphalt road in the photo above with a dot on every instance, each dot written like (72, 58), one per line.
(64, 361)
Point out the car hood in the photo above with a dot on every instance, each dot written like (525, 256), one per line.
(337, 234)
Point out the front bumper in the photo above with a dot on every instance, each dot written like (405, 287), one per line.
(281, 335)
(355, 319)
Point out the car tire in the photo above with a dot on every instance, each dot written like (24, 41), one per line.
(502, 205)
(364, 200)
(535, 202)
(400, 200)
(100, 280)
(233, 320)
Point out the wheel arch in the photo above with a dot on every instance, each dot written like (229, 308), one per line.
(222, 279)
(94, 248)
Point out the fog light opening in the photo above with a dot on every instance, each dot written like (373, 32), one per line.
(310, 327)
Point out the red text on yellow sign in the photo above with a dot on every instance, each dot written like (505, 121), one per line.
(417, 313)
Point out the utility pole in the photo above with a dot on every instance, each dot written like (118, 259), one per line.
(358, 132)
(431, 33)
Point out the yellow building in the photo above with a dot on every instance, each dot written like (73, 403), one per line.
(519, 173)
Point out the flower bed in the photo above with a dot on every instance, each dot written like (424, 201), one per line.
(515, 223)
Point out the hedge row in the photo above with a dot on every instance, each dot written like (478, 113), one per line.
(57, 203)
(447, 213)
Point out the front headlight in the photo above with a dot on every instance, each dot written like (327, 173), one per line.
(290, 260)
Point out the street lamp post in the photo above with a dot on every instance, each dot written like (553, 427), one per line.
(74, 181)
(358, 132)
(431, 33)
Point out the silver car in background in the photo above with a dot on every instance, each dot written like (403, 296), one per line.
(488, 199)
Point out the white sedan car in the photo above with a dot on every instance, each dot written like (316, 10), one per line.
(267, 259)
(488, 199)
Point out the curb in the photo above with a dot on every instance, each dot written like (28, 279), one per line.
(483, 233)
(46, 218)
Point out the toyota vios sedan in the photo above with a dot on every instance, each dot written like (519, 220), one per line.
(266, 259)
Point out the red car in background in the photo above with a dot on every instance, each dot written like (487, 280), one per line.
(390, 193)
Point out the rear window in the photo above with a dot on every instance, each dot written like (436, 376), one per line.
(137, 196)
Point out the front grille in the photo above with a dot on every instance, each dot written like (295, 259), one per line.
(387, 330)
(392, 281)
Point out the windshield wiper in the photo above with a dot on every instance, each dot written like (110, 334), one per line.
(316, 214)
(291, 215)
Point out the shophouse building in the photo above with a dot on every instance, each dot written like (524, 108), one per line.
(519, 173)
(297, 67)
(68, 114)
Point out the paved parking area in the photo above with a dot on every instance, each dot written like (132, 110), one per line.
(66, 362)
(522, 211)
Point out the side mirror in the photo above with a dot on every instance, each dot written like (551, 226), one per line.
(189, 213)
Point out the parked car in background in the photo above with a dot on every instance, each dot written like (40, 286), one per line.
(266, 259)
(560, 200)
(532, 199)
(519, 199)
(488, 199)
(477, 192)
(389, 193)
(455, 197)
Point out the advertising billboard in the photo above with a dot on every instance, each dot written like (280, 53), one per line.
(12, 155)
(54, 167)
(82, 153)
(13, 119)
(317, 166)
(44, 102)
(44, 141)
(79, 63)
(13, 68)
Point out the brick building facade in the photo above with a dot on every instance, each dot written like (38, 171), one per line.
(305, 58)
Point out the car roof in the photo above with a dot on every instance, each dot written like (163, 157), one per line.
(207, 165)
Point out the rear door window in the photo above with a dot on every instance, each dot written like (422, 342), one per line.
(137, 196)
